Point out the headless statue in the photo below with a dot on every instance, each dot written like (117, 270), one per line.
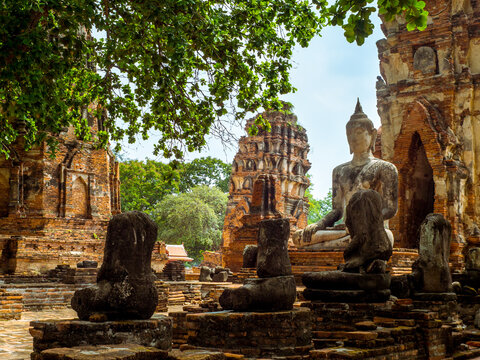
(363, 172)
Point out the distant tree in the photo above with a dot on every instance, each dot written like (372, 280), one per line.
(318, 208)
(194, 218)
(144, 183)
(205, 171)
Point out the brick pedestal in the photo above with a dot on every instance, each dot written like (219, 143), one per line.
(70, 333)
(252, 334)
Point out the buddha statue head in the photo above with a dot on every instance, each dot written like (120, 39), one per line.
(361, 133)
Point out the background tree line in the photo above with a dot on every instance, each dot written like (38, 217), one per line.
(188, 201)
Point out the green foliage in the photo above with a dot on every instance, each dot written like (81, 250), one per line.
(318, 208)
(174, 66)
(144, 183)
(354, 16)
(194, 219)
(205, 171)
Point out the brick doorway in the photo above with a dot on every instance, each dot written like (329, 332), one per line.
(8, 258)
(418, 190)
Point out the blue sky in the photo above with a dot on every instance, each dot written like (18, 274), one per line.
(329, 76)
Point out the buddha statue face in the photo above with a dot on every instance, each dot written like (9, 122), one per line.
(360, 138)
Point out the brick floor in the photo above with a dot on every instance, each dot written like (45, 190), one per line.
(16, 341)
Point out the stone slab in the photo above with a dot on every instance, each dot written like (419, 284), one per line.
(103, 352)
(345, 281)
(70, 333)
(346, 296)
(435, 296)
(195, 354)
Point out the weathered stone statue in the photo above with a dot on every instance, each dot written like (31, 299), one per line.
(370, 247)
(364, 171)
(125, 283)
(363, 276)
(275, 288)
(431, 272)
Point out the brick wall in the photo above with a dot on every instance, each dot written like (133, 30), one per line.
(54, 210)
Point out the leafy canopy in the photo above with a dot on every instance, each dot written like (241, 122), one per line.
(205, 171)
(143, 184)
(318, 207)
(174, 66)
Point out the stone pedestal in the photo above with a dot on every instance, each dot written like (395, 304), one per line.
(392, 330)
(253, 334)
(338, 286)
(70, 333)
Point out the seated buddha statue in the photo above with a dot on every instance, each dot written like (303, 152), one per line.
(364, 171)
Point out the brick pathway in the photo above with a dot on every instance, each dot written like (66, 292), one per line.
(16, 341)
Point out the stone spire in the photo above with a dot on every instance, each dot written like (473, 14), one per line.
(360, 116)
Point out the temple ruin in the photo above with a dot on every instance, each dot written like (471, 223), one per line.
(54, 210)
(427, 102)
(281, 153)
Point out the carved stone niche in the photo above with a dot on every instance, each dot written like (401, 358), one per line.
(425, 60)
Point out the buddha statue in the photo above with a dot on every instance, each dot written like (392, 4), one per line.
(363, 172)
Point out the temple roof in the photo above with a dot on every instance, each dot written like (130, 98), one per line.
(177, 252)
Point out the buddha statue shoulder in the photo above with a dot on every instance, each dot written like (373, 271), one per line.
(363, 172)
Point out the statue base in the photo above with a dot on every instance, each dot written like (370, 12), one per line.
(70, 333)
(338, 286)
(447, 296)
(252, 334)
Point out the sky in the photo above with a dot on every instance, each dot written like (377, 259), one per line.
(329, 76)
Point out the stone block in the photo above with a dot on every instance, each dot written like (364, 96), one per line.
(346, 296)
(338, 280)
(268, 294)
(70, 333)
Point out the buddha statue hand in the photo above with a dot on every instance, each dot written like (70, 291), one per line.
(305, 236)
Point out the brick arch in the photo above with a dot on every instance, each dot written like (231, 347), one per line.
(421, 122)
(80, 198)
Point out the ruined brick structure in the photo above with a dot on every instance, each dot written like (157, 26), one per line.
(54, 210)
(430, 113)
(279, 159)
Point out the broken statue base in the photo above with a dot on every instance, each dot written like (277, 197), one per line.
(253, 334)
(338, 286)
(70, 333)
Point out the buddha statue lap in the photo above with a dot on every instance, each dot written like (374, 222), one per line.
(363, 172)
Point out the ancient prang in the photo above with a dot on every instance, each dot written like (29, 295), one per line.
(125, 284)
(55, 210)
(282, 154)
(426, 102)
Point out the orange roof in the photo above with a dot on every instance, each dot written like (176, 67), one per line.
(177, 252)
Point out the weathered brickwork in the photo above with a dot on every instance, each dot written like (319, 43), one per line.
(430, 113)
(252, 334)
(280, 157)
(54, 210)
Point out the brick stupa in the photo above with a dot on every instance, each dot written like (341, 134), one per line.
(282, 156)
